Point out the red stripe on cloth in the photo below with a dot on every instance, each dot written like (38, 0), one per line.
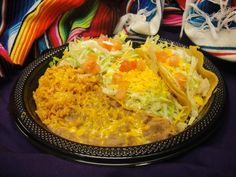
(75, 33)
(104, 21)
(222, 54)
(129, 5)
(233, 3)
(172, 19)
(53, 34)
(4, 54)
(181, 3)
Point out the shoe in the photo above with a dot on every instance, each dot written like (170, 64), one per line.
(211, 24)
(141, 17)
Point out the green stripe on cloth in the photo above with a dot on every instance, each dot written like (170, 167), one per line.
(84, 22)
(77, 18)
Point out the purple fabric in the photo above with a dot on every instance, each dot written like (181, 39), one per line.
(216, 157)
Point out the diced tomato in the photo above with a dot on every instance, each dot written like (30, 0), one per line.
(121, 94)
(181, 79)
(161, 56)
(123, 84)
(109, 44)
(86, 38)
(117, 45)
(173, 60)
(167, 56)
(92, 56)
(128, 65)
(103, 41)
(117, 78)
(103, 38)
(90, 66)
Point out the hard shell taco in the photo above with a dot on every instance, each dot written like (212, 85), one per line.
(182, 69)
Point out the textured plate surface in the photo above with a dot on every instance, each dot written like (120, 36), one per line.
(23, 107)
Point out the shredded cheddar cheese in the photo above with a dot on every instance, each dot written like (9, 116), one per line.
(140, 80)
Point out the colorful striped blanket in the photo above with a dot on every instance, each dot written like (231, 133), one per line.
(51, 23)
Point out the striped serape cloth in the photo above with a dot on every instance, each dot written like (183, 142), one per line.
(51, 23)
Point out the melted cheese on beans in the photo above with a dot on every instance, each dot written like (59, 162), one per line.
(72, 105)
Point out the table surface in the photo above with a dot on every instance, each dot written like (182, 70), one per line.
(214, 157)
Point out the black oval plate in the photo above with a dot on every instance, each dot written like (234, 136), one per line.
(26, 119)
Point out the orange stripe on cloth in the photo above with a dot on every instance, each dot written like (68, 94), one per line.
(36, 23)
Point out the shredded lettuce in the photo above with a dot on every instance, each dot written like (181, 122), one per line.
(156, 100)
